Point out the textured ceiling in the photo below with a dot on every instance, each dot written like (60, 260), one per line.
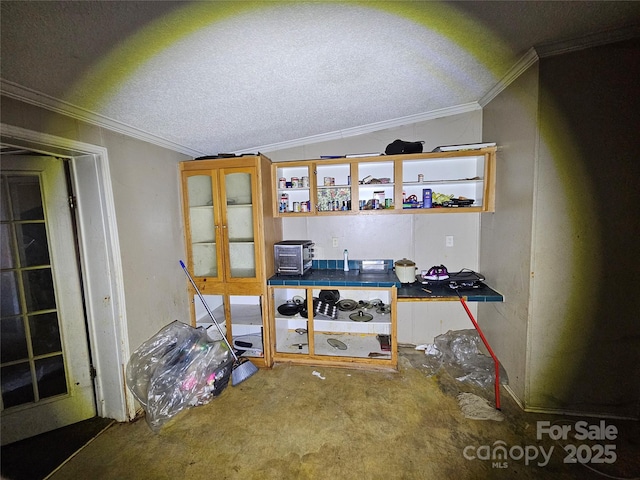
(209, 77)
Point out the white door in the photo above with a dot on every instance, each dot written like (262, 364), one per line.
(45, 366)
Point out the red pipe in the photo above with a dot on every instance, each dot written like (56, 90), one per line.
(486, 344)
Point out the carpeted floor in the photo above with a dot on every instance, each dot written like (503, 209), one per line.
(35, 458)
(288, 423)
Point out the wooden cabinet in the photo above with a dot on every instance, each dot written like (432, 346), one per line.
(293, 190)
(458, 181)
(362, 337)
(230, 231)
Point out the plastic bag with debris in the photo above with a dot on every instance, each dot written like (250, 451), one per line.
(177, 368)
(458, 352)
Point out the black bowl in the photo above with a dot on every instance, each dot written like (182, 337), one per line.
(289, 309)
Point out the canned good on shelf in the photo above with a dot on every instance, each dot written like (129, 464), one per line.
(426, 198)
(284, 202)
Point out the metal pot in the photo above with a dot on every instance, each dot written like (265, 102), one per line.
(406, 270)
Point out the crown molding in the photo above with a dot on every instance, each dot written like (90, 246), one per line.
(588, 41)
(365, 129)
(558, 48)
(18, 92)
(521, 66)
(38, 99)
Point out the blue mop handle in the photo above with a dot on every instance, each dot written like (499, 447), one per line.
(215, 322)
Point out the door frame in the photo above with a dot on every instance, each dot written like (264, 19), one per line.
(104, 293)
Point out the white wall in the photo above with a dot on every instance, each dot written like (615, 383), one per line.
(146, 190)
(420, 238)
(563, 239)
(506, 235)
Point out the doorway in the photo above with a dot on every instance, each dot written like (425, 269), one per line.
(46, 375)
(100, 260)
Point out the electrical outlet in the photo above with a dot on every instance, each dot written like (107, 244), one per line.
(448, 240)
(335, 242)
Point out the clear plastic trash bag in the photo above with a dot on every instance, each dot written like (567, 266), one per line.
(179, 367)
(458, 352)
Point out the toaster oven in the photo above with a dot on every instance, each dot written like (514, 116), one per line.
(293, 257)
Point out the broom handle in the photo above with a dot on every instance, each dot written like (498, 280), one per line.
(208, 309)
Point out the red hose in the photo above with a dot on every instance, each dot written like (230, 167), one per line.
(486, 344)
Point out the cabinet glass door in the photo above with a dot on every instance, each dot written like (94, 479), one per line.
(202, 225)
(239, 223)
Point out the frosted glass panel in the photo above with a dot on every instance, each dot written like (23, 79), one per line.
(200, 193)
(205, 262)
(242, 256)
(238, 186)
(240, 223)
(240, 219)
(202, 226)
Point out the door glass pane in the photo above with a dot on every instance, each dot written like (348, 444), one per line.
(6, 259)
(9, 299)
(26, 198)
(32, 239)
(17, 386)
(4, 205)
(14, 340)
(28, 298)
(45, 333)
(202, 226)
(240, 232)
(51, 377)
(38, 289)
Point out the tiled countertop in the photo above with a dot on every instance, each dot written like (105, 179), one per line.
(415, 292)
(330, 273)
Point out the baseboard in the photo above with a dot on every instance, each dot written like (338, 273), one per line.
(573, 413)
(513, 395)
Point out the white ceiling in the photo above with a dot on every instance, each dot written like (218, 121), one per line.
(209, 77)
